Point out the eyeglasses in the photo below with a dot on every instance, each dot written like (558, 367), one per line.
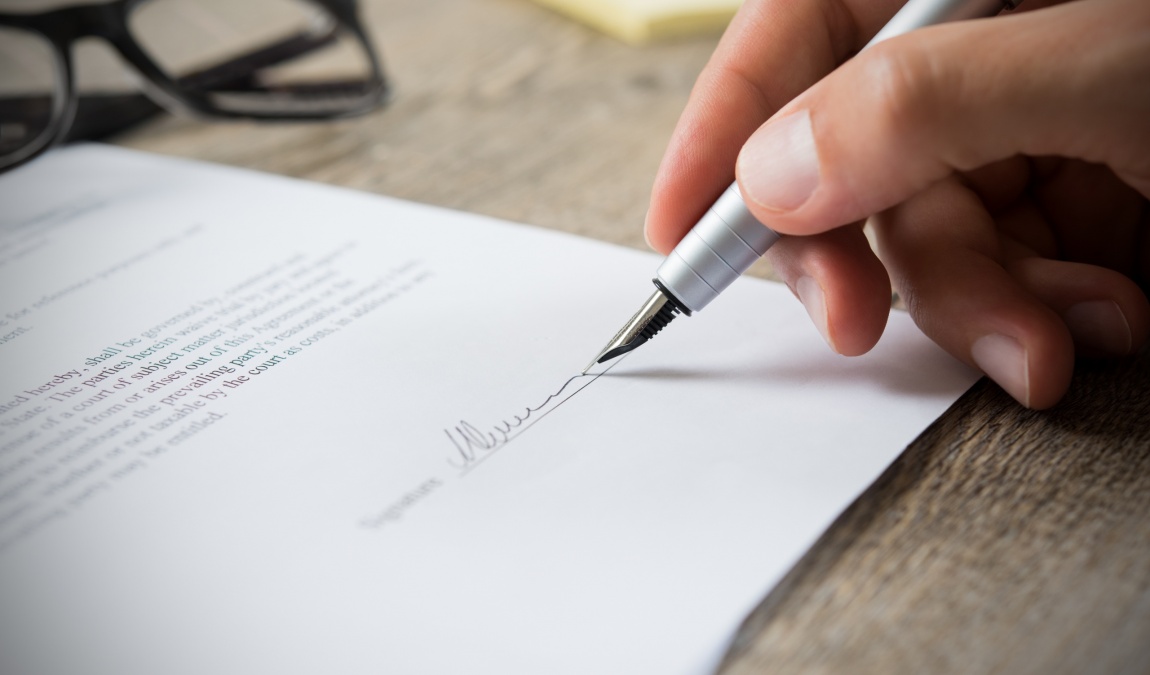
(253, 59)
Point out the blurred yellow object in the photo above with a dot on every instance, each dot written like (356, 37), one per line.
(643, 21)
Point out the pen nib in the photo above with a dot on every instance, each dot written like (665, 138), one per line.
(656, 313)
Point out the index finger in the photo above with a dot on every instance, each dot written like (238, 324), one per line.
(772, 52)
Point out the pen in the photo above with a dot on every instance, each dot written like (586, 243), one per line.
(728, 239)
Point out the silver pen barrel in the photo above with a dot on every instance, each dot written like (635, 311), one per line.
(718, 249)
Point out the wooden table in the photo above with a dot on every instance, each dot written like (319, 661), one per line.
(1003, 540)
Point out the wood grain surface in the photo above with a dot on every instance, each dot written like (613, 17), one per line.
(1002, 541)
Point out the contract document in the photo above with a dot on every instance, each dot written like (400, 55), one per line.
(255, 425)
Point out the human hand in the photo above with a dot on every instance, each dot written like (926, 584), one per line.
(1008, 161)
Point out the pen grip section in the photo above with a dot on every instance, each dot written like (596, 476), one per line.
(718, 249)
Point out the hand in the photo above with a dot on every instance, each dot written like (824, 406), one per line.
(1007, 160)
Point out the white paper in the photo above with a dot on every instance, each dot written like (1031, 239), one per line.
(328, 514)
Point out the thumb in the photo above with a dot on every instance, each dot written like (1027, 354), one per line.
(1069, 80)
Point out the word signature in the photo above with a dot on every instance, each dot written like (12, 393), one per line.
(473, 444)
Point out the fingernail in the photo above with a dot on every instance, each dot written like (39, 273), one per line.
(811, 295)
(1100, 324)
(1005, 361)
(646, 232)
(779, 165)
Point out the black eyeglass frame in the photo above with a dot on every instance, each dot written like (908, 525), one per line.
(62, 27)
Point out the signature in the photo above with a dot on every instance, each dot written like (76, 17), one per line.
(473, 444)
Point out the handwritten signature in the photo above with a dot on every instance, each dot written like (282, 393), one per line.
(473, 444)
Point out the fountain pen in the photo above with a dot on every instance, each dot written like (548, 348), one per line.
(727, 239)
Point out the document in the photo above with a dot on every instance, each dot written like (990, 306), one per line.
(255, 425)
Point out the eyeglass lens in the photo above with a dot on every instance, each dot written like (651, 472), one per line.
(30, 91)
(259, 58)
(299, 58)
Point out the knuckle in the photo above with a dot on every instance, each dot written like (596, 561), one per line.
(906, 80)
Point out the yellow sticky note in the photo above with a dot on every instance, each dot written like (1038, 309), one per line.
(642, 21)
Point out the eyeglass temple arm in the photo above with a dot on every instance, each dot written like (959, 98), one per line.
(101, 115)
(240, 70)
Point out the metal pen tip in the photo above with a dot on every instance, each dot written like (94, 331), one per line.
(656, 313)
